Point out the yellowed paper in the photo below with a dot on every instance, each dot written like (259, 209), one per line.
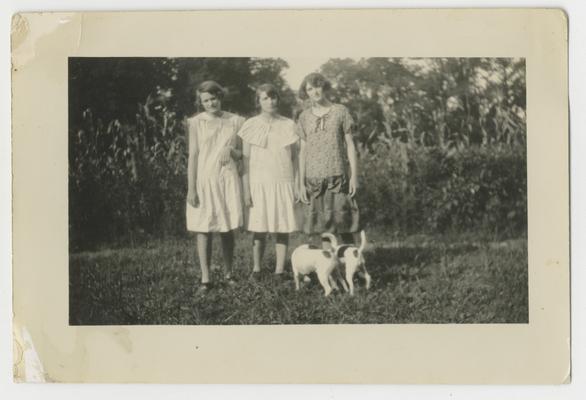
(537, 352)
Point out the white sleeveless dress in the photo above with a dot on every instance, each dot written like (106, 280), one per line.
(271, 174)
(218, 186)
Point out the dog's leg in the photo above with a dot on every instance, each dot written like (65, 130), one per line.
(363, 273)
(368, 278)
(350, 278)
(333, 283)
(323, 279)
(332, 280)
(296, 278)
(340, 278)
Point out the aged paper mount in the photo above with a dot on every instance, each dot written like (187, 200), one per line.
(48, 349)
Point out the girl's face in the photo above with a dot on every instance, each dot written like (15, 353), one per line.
(210, 102)
(268, 104)
(315, 93)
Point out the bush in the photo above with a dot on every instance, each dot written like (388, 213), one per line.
(415, 189)
(127, 182)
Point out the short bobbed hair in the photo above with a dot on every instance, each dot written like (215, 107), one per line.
(270, 90)
(315, 79)
(211, 87)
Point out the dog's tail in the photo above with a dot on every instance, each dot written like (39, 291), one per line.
(332, 238)
(362, 241)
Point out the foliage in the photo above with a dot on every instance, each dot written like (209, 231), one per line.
(421, 189)
(433, 102)
(441, 141)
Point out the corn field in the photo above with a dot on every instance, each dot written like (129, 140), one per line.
(442, 142)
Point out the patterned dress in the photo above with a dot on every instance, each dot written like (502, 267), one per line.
(218, 186)
(331, 208)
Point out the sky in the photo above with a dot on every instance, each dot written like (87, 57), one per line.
(299, 67)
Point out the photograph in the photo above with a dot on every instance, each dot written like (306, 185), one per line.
(365, 196)
(297, 190)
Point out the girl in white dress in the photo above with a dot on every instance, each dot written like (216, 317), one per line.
(214, 193)
(269, 151)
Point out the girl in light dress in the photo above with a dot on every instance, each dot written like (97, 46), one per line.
(269, 151)
(214, 189)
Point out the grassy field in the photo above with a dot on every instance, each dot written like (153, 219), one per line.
(416, 280)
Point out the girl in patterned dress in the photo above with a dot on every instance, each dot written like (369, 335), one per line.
(213, 182)
(269, 177)
(327, 163)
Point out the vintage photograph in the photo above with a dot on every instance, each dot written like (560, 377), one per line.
(260, 191)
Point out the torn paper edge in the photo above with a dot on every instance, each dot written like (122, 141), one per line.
(27, 365)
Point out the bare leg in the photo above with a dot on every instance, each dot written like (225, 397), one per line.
(209, 248)
(203, 242)
(227, 250)
(282, 242)
(258, 248)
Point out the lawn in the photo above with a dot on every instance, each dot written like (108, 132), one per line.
(415, 280)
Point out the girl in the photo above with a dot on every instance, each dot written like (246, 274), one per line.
(214, 193)
(269, 177)
(327, 147)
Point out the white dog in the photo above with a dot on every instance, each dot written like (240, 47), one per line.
(306, 260)
(353, 260)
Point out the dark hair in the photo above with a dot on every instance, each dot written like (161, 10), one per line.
(211, 87)
(270, 90)
(315, 79)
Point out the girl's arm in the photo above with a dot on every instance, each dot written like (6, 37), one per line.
(351, 150)
(302, 190)
(295, 163)
(192, 198)
(246, 174)
(231, 150)
(236, 149)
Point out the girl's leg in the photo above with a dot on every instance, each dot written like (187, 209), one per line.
(227, 251)
(203, 243)
(209, 249)
(281, 244)
(259, 241)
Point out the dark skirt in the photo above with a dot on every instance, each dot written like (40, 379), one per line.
(331, 208)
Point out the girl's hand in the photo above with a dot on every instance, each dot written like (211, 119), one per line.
(353, 186)
(247, 199)
(303, 194)
(225, 155)
(192, 198)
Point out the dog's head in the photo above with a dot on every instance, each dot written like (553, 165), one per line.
(331, 238)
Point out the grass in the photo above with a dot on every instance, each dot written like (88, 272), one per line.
(417, 280)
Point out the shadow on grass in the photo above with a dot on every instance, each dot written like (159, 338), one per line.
(390, 264)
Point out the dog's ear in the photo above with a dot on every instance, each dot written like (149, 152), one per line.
(326, 254)
(355, 252)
